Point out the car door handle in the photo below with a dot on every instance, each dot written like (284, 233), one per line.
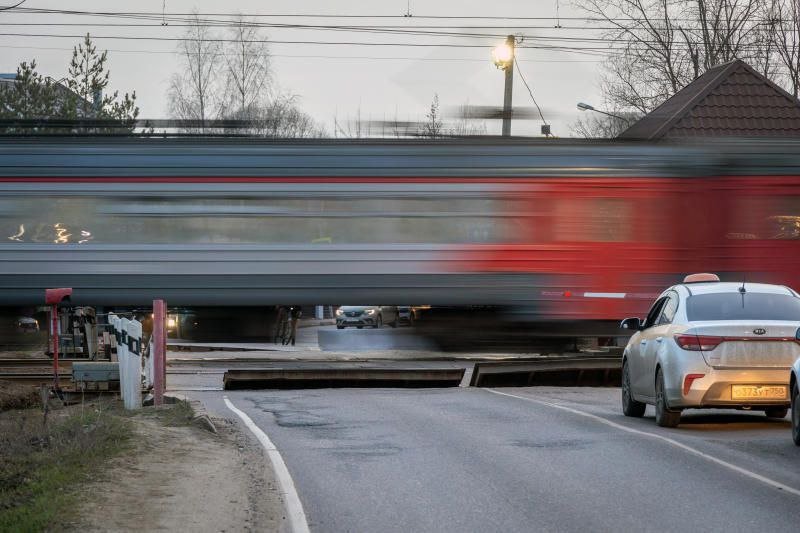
(659, 339)
(643, 342)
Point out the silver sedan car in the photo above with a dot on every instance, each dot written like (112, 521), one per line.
(709, 344)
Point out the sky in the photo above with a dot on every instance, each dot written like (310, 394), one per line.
(334, 82)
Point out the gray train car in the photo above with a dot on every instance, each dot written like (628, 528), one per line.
(249, 222)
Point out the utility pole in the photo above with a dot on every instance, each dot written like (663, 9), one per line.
(504, 60)
(509, 70)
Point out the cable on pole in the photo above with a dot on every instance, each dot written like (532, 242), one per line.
(12, 7)
(516, 63)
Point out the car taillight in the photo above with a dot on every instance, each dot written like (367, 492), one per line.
(698, 343)
(688, 380)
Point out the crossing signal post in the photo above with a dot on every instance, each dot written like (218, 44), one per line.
(53, 298)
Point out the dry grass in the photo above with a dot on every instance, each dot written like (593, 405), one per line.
(16, 396)
(40, 463)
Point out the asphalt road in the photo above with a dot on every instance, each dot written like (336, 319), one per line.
(466, 459)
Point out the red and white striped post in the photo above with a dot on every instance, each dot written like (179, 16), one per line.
(159, 351)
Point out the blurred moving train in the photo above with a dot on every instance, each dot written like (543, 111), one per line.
(561, 230)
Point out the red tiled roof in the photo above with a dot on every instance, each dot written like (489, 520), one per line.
(729, 100)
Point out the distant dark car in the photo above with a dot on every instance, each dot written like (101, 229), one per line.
(26, 324)
(406, 315)
(373, 316)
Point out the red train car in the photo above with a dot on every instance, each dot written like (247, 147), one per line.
(605, 247)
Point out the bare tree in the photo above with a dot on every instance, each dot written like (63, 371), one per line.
(603, 126)
(282, 118)
(662, 45)
(193, 91)
(785, 32)
(248, 77)
(352, 128)
(433, 126)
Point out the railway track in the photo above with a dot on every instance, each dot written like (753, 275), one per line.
(35, 378)
(34, 363)
(35, 371)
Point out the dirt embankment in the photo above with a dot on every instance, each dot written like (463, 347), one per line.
(183, 478)
(95, 467)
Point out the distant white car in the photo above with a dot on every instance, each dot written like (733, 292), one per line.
(708, 344)
(374, 316)
(794, 391)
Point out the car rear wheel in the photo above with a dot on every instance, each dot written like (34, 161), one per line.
(665, 417)
(776, 412)
(339, 327)
(393, 323)
(630, 407)
(796, 414)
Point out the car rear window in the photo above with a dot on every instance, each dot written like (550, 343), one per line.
(747, 306)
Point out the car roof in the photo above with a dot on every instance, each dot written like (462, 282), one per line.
(715, 287)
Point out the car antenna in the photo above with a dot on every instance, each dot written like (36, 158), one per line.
(742, 290)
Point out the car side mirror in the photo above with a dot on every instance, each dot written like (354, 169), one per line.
(631, 323)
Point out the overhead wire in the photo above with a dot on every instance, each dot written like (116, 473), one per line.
(309, 42)
(6, 8)
(315, 56)
(530, 92)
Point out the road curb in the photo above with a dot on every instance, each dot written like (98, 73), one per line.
(202, 418)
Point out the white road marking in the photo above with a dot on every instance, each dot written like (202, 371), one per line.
(677, 444)
(294, 507)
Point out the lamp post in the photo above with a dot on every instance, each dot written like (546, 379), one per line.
(503, 56)
(586, 107)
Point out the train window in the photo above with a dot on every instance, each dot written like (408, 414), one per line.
(593, 219)
(436, 219)
(765, 217)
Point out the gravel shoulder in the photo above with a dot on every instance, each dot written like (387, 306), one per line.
(183, 478)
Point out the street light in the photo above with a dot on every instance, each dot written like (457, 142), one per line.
(587, 107)
(503, 56)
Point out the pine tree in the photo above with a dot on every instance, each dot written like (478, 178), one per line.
(33, 97)
(88, 78)
(31, 101)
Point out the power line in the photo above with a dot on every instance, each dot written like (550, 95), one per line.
(12, 7)
(309, 42)
(587, 50)
(299, 15)
(529, 89)
(316, 56)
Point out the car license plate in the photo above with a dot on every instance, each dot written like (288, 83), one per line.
(755, 392)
